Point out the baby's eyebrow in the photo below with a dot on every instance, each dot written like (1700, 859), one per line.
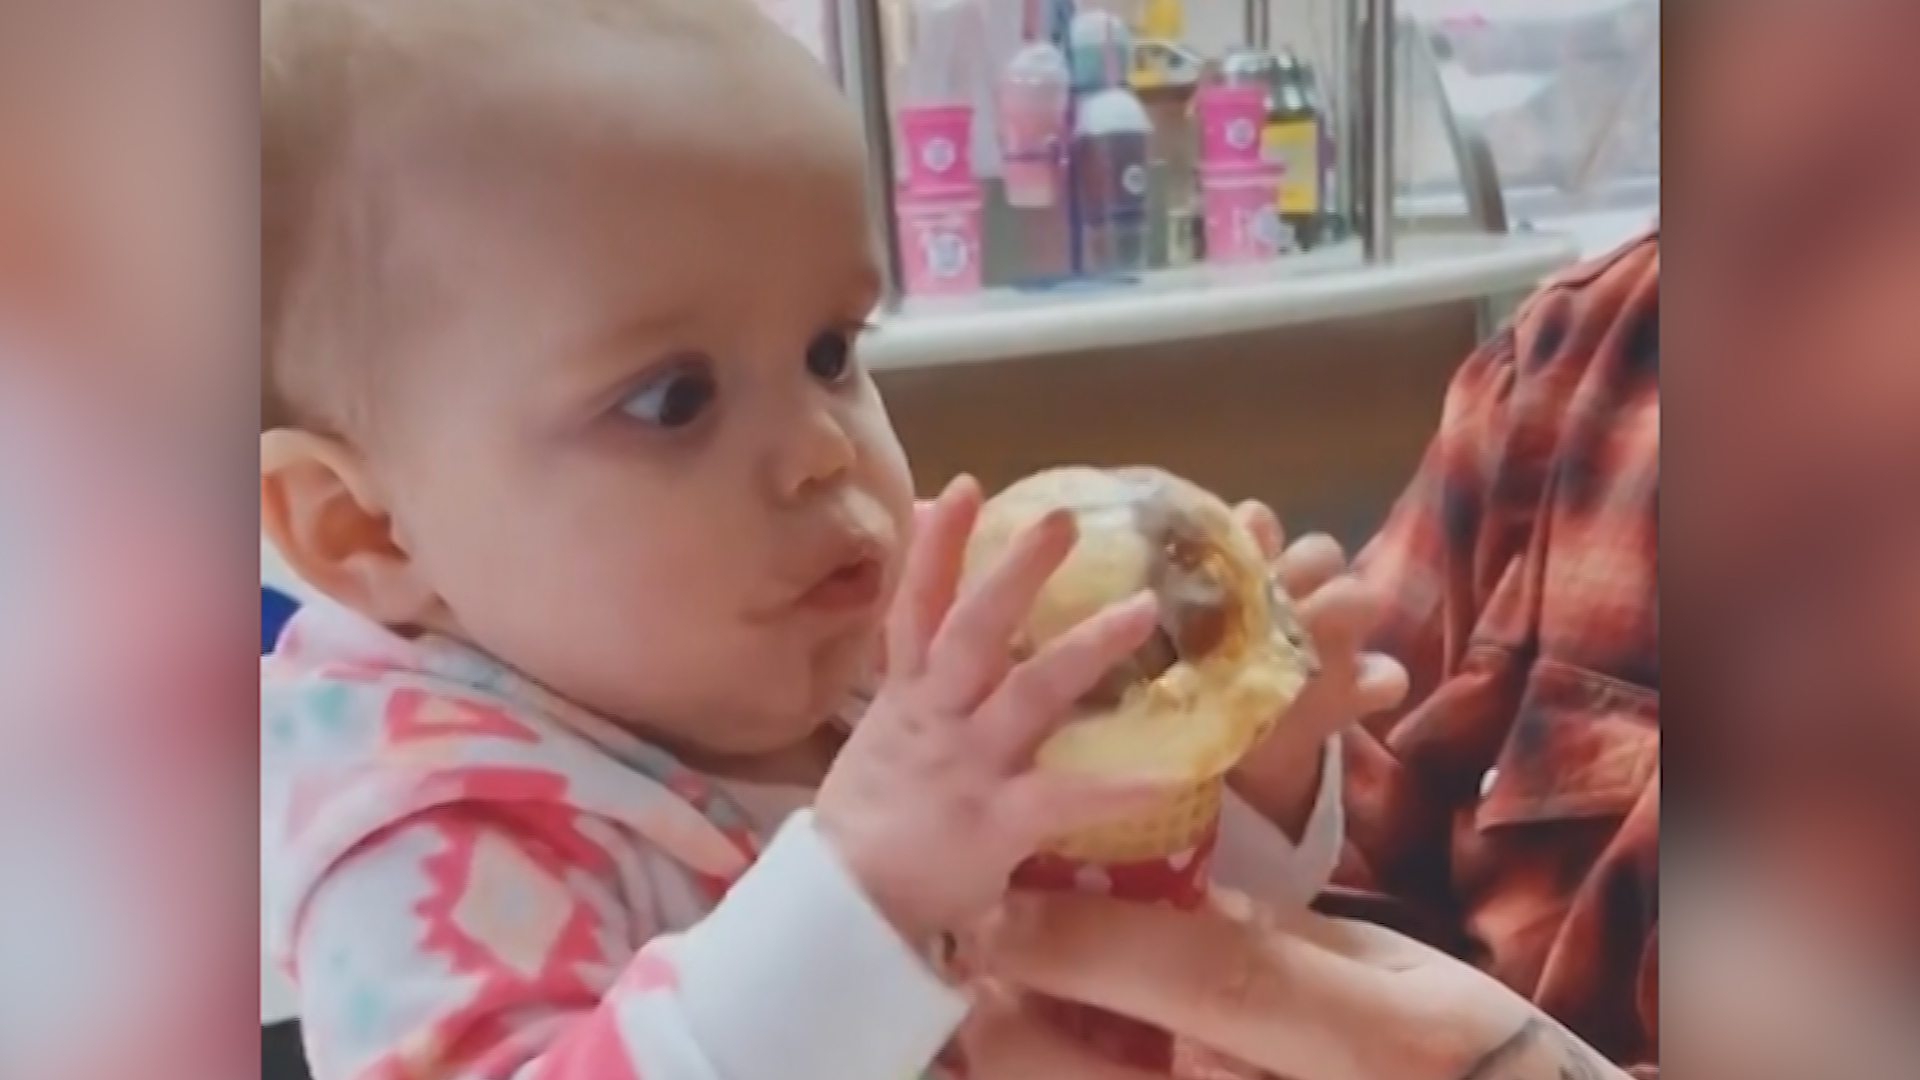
(616, 349)
(657, 322)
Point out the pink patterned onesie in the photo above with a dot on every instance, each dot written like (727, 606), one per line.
(469, 879)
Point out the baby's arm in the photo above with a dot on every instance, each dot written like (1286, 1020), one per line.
(1257, 858)
(480, 943)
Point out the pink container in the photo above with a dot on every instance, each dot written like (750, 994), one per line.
(937, 142)
(1240, 217)
(940, 240)
(1230, 121)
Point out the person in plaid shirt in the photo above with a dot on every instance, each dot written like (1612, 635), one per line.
(1512, 810)
(1507, 809)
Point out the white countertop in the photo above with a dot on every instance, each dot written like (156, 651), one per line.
(1600, 231)
(1196, 302)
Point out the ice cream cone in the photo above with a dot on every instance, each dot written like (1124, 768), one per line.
(1177, 827)
(1160, 858)
(1229, 660)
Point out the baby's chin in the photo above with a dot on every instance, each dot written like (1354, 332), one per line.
(787, 705)
(841, 682)
(787, 740)
(844, 668)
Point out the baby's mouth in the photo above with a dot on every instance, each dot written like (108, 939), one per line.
(853, 586)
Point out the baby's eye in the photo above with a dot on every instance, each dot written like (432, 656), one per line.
(675, 398)
(830, 357)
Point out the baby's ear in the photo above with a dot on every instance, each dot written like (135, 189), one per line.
(322, 510)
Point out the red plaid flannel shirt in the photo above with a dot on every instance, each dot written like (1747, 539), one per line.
(1511, 810)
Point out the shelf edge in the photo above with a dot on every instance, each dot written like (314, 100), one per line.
(1135, 316)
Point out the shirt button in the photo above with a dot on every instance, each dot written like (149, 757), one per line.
(1487, 780)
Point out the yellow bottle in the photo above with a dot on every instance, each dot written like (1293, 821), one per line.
(1159, 58)
(1161, 20)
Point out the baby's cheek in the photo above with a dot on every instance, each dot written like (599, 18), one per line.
(866, 656)
(884, 473)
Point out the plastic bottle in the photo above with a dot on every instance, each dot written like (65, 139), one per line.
(1332, 220)
(942, 84)
(1099, 50)
(1162, 20)
(1294, 135)
(1031, 105)
(1111, 143)
(939, 205)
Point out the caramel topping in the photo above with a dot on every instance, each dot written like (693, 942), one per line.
(1148, 662)
(1199, 612)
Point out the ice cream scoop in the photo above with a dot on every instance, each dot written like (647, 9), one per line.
(1229, 655)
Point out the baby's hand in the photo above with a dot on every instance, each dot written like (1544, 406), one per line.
(935, 799)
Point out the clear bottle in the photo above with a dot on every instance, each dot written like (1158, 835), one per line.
(1099, 50)
(1112, 138)
(1030, 101)
(946, 42)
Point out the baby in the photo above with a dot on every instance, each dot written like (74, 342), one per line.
(563, 414)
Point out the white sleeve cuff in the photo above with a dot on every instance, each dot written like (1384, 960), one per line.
(1257, 858)
(796, 976)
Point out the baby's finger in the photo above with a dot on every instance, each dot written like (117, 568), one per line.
(973, 646)
(931, 576)
(1038, 695)
(1381, 685)
(1337, 616)
(1259, 519)
(1309, 563)
(1340, 615)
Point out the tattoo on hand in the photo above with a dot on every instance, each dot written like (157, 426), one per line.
(1539, 1050)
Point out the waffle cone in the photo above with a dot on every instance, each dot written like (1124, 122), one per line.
(1180, 824)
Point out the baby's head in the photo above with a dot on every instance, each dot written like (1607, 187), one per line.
(558, 301)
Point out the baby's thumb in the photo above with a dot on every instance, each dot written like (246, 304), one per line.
(1259, 519)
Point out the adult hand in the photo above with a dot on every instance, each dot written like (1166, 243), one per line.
(1298, 995)
(1002, 1040)
(1339, 612)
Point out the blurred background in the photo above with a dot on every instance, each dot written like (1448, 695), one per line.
(1086, 259)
